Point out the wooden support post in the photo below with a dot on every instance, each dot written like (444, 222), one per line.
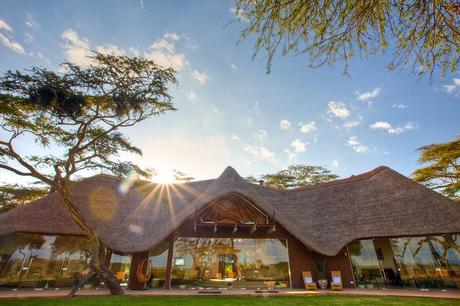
(136, 260)
(169, 264)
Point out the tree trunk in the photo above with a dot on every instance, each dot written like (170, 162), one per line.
(96, 252)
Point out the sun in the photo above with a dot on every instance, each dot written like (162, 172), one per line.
(164, 176)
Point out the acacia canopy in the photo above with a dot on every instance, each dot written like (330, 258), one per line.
(442, 168)
(421, 35)
(75, 118)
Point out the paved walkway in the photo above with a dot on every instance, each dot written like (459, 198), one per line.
(50, 293)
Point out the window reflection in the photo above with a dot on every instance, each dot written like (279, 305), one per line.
(422, 262)
(120, 265)
(41, 261)
(213, 262)
(158, 262)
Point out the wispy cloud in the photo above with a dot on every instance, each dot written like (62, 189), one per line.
(163, 52)
(261, 135)
(285, 124)
(11, 44)
(351, 124)
(335, 163)
(290, 155)
(337, 109)
(77, 49)
(171, 36)
(308, 127)
(201, 77)
(400, 106)
(383, 125)
(356, 145)
(5, 26)
(299, 146)
(260, 152)
(239, 14)
(236, 137)
(369, 95)
(192, 96)
(453, 88)
(110, 49)
(30, 21)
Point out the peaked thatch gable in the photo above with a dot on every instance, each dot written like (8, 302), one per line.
(325, 217)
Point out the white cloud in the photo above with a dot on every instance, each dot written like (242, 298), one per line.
(239, 14)
(235, 137)
(11, 44)
(291, 156)
(30, 21)
(29, 38)
(335, 163)
(356, 145)
(261, 135)
(383, 125)
(298, 145)
(337, 109)
(110, 49)
(260, 152)
(192, 96)
(201, 77)
(285, 124)
(368, 96)
(400, 106)
(77, 49)
(351, 124)
(134, 51)
(454, 87)
(5, 26)
(171, 36)
(215, 109)
(163, 53)
(233, 67)
(163, 44)
(308, 127)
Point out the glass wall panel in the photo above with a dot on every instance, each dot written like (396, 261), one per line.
(421, 262)
(365, 263)
(221, 262)
(158, 261)
(41, 261)
(120, 265)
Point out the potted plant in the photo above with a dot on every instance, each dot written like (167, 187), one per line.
(320, 266)
(277, 285)
(182, 284)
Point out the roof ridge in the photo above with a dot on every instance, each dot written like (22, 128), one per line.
(351, 179)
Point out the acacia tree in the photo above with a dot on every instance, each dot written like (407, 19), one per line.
(424, 35)
(75, 117)
(14, 195)
(443, 170)
(296, 176)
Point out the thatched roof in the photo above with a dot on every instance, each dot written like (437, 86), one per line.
(325, 217)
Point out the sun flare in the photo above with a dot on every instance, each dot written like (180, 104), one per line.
(164, 176)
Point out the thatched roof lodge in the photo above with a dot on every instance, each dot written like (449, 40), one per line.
(378, 227)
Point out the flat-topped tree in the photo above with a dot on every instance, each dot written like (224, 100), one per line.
(75, 119)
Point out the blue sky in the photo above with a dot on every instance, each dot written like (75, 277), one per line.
(230, 112)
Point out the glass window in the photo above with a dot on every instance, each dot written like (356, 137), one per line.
(216, 262)
(365, 263)
(120, 265)
(422, 262)
(41, 261)
(158, 262)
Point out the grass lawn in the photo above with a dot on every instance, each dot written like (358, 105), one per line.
(228, 300)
